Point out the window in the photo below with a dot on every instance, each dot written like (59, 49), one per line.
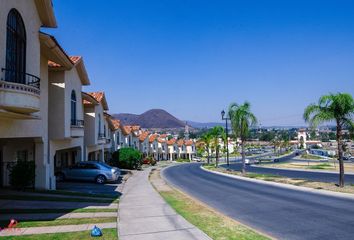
(118, 137)
(99, 125)
(73, 108)
(15, 48)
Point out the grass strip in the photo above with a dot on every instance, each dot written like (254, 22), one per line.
(108, 234)
(214, 224)
(53, 210)
(55, 199)
(349, 188)
(60, 222)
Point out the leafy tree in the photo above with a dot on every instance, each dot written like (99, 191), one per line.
(207, 138)
(216, 133)
(338, 108)
(129, 158)
(242, 119)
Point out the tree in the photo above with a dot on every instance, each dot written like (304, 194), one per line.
(129, 158)
(338, 108)
(206, 138)
(242, 119)
(216, 133)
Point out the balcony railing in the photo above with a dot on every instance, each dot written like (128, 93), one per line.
(77, 123)
(101, 136)
(13, 76)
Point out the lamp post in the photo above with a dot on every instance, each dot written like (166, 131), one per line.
(227, 136)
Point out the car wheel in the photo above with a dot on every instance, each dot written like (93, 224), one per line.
(60, 177)
(100, 179)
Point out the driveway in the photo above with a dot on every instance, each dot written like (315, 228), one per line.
(281, 212)
(113, 188)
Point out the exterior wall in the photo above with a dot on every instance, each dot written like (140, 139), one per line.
(36, 65)
(30, 17)
(91, 141)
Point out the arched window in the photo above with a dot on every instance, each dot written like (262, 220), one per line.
(99, 125)
(73, 108)
(15, 48)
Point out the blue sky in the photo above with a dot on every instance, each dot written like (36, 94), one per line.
(194, 57)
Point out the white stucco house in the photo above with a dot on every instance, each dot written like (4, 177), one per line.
(95, 105)
(66, 113)
(24, 55)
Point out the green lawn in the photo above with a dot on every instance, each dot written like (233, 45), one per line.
(53, 210)
(180, 160)
(60, 222)
(55, 199)
(108, 234)
(309, 156)
(214, 225)
(320, 166)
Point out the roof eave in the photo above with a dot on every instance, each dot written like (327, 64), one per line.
(53, 51)
(46, 13)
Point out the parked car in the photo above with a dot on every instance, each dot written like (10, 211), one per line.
(89, 171)
(196, 159)
(249, 161)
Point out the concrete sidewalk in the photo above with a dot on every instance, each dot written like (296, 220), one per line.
(143, 214)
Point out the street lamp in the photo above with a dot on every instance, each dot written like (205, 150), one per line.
(227, 136)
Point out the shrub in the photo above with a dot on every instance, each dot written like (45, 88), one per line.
(128, 158)
(22, 174)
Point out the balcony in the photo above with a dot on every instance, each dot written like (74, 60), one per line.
(77, 123)
(19, 92)
(101, 136)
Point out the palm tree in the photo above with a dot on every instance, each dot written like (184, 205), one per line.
(338, 108)
(242, 119)
(216, 133)
(206, 138)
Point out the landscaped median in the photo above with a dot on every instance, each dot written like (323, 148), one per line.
(57, 215)
(214, 224)
(285, 180)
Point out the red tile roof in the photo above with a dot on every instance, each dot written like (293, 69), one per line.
(116, 124)
(143, 136)
(180, 142)
(188, 142)
(75, 59)
(161, 140)
(100, 97)
(126, 130)
(171, 141)
(153, 138)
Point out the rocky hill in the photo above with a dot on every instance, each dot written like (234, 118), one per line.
(154, 118)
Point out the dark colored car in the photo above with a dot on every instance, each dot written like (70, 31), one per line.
(89, 171)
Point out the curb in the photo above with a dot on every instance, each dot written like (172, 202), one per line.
(284, 185)
(301, 170)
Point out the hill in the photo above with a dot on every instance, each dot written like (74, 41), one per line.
(154, 118)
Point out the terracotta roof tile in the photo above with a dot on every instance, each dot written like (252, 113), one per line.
(180, 142)
(161, 140)
(75, 59)
(143, 136)
(116, 124)
(171, 141)
(97, 95)
(153, 138)
(188, 142)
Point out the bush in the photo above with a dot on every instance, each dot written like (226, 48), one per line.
(22, 174)
(127, 158)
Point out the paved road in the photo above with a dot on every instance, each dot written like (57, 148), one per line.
(280, 212)
(309, 175)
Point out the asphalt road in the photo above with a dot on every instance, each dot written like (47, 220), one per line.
(280, 212)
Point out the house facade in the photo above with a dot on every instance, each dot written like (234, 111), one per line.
(66, 112)
(24, 55)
